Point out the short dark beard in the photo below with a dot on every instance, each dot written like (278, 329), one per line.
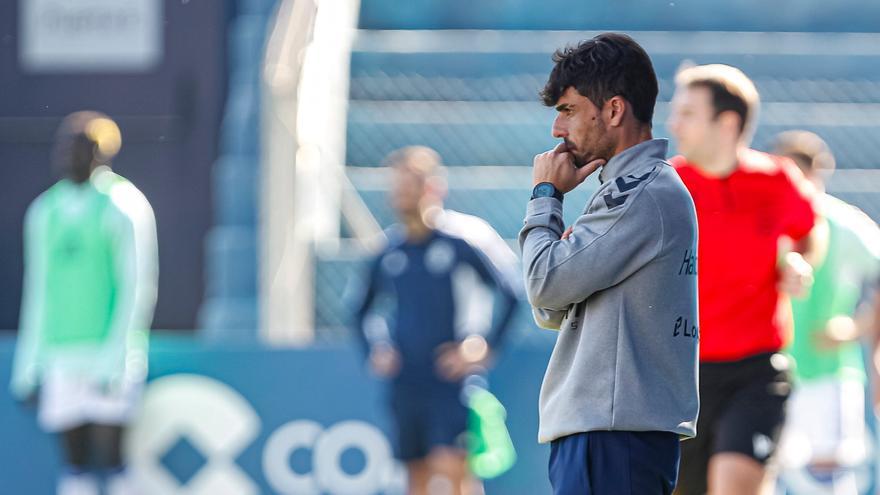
(603, 153)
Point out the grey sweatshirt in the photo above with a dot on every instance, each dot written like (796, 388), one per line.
(622, 290)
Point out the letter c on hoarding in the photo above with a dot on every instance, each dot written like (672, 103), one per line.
(327, 448)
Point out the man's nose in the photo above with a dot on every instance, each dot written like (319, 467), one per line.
(559, 130)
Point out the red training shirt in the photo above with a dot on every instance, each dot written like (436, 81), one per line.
(741, 218)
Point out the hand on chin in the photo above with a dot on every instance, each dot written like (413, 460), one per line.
(559, 167)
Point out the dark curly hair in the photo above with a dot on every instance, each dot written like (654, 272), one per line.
(608, 65)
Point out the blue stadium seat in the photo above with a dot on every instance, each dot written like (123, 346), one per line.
(230, 306)
(228, 319)
(678, 15)
(458, 144)
(832, 91)
(239, 131)
(503, 208)
(247, 34)
(235, 190)
(473, 143)
(377, 85)
(853, 146)
(450, 64)
(232, 262)
(256, 7)
(337, 281)
(479, 64)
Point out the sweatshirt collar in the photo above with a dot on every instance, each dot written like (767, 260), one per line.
(632, 158)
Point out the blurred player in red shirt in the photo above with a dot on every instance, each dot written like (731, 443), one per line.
(754, 213)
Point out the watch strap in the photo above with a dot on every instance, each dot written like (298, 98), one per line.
(540, 191)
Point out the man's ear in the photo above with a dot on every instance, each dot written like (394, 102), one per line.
(616, 109)
(437, 187)
(730, 121)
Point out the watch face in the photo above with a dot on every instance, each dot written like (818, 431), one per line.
(544, 190)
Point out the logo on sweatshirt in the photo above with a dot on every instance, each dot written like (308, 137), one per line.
(624, 186)
(689, 263)
(394, 263)
(685, 328)
(612, 201)
(440, 257)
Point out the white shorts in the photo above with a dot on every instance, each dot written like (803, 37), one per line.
(825, 421)
(68, 400)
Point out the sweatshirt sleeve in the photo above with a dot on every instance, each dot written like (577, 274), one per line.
(548, 319)
(620, 232)
(26, 367)
(133, 226)
(490, 271)
(362, 305)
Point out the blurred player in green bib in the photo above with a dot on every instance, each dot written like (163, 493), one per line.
(825, 431)
(90, 264)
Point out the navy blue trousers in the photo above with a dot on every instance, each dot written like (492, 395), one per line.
(614, 463)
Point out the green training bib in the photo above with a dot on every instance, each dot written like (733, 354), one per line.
(80, 272)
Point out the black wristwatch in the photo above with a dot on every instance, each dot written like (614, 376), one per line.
(546, 190)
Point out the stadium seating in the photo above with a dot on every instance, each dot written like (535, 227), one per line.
(229, 310)
(464, 77)
(422, 74)
(626, 15)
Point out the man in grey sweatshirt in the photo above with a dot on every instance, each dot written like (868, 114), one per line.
(620, 285)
